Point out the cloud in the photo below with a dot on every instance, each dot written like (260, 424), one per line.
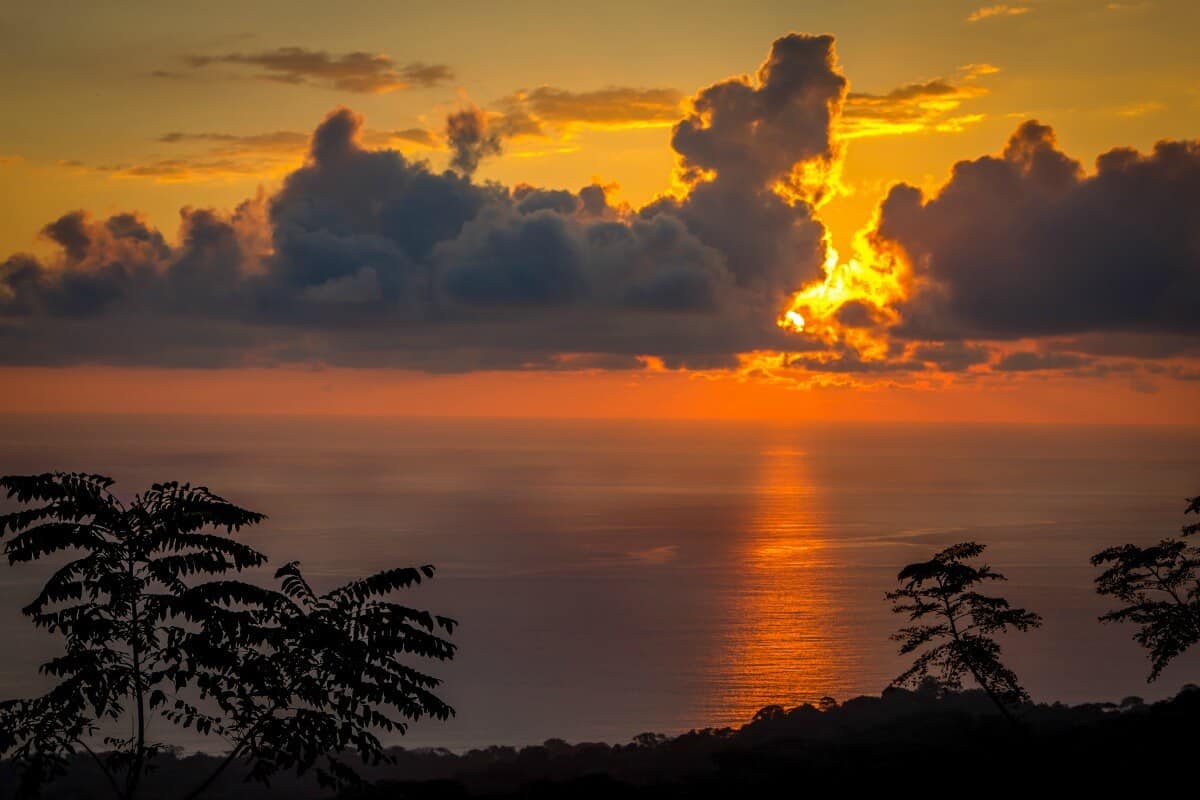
(970, 72)
(214, 156)
(951, 356)
(849, 361)
(747, 152)
(912, 108)
(367, 73)
(1000, 10)
(472, 137)
(1029, 361)
(422, 137)
(1141, 109)
(756, 131)
(618, 107)
(549, 112)
(1025, 244)
(364, 257)
(228, 143)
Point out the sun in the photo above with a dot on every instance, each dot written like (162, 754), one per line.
(792, 319)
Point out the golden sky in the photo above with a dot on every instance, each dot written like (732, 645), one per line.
(1068, 309)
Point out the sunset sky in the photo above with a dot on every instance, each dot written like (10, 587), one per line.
(860, 210)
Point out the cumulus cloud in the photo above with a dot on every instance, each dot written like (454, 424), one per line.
(755, 131)
(746, 151)
(1025, 244)
(368, 73)
(366, 257)
(1021, 262)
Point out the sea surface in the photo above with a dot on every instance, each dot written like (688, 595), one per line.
(617, 577)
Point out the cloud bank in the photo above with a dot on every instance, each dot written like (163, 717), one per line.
(366, 257)
(1023, 262)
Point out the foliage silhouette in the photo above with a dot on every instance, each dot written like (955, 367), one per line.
(291, 678)
(1159, 587)
(960, 641)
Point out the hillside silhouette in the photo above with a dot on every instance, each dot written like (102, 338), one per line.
(910, 741)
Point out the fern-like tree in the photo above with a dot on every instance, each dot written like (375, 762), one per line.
(1159, 590)
(156, 631)
(955, 626)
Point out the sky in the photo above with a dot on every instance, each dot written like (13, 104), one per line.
(861, 210)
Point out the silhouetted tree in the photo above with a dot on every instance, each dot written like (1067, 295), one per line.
(290, 678)
(768, 713)
(959, 641)
(1160, 589)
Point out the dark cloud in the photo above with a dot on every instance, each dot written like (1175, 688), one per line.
(951, 356)
(1131, 345)
(756, 132)
(364, 257)
(743, 141)
(369, 73)
(858, 314)
(471, 137)
(69, 232)
(1030, 361)
(352, 211)
(120, 267)
(848, 361)
(1026, 245)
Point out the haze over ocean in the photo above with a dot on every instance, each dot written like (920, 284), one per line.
(618, 577)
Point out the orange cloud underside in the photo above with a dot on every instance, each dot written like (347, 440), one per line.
(647, 394)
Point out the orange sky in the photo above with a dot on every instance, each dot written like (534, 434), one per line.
(663, 395)
(130, 110)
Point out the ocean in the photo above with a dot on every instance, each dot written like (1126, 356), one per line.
(617, 577)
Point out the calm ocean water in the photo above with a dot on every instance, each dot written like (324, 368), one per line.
(619, 577)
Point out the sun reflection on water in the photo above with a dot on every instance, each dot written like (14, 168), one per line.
(785, 643)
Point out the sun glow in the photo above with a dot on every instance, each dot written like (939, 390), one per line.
(793, 320)
(789, 643)
(855, 300)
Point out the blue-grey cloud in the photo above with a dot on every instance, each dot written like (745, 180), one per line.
(366, 257)
(1026, 245)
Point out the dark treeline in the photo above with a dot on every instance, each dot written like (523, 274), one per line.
(924, 739)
